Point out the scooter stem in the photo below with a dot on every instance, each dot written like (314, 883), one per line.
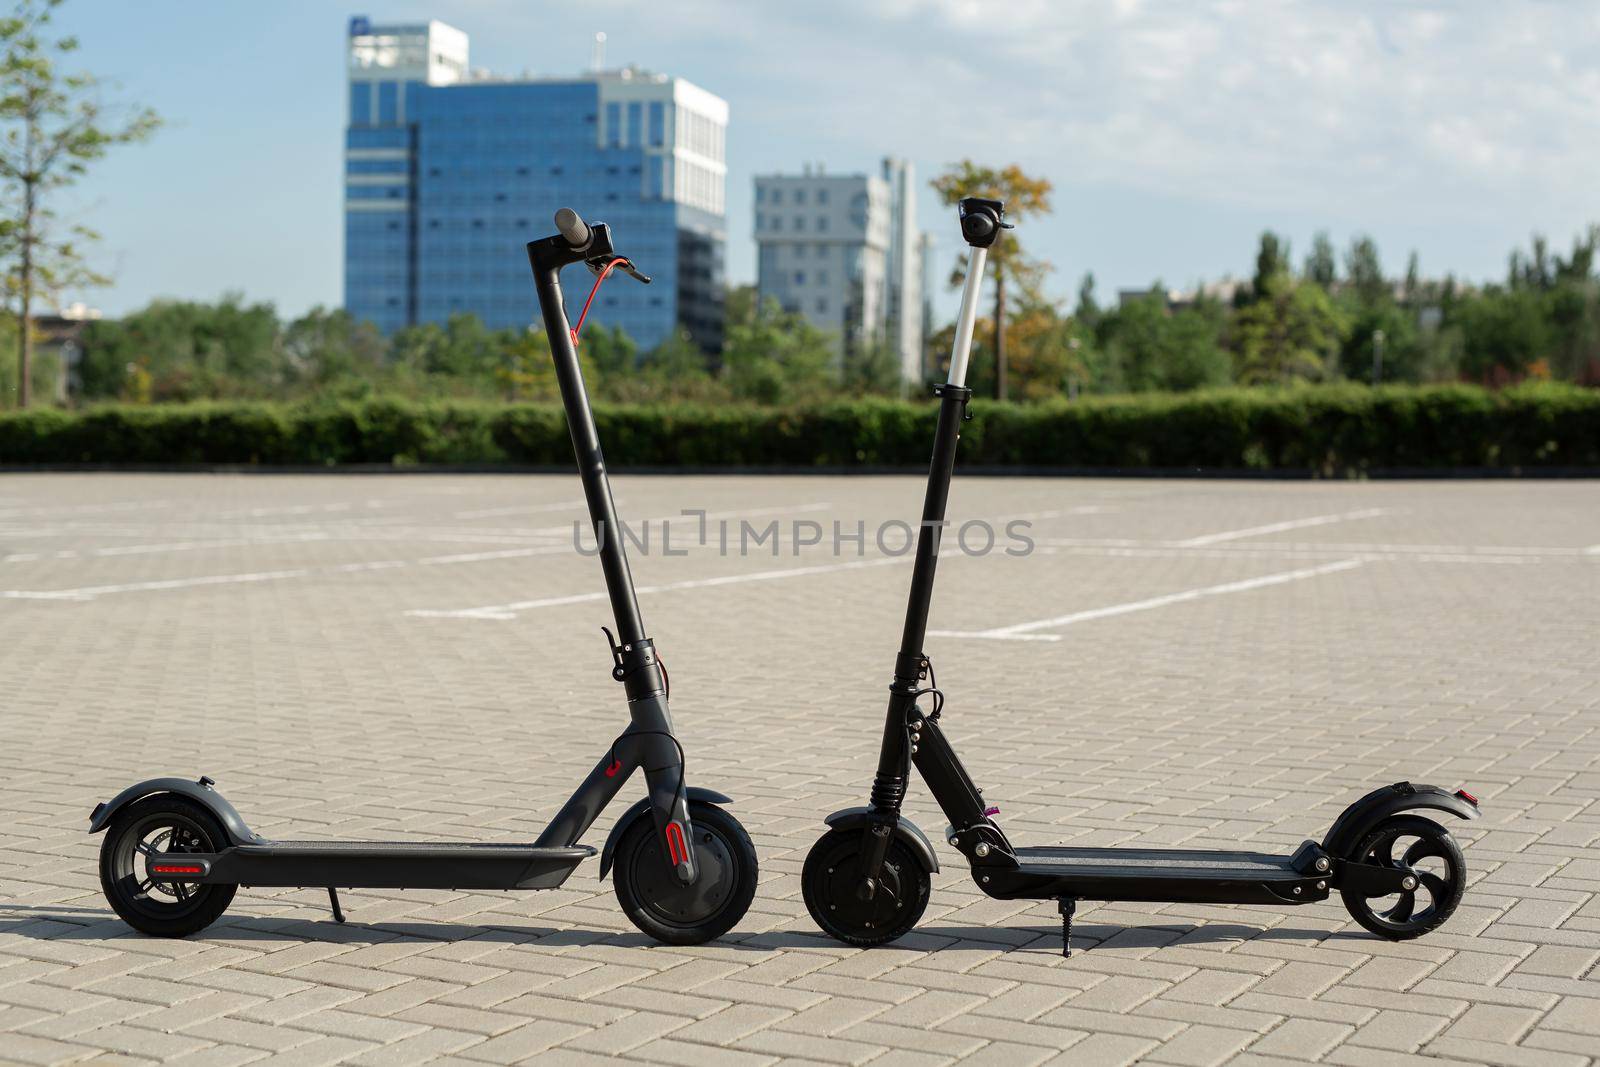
(968, 317)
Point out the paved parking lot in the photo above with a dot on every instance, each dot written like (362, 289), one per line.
(1205, 663)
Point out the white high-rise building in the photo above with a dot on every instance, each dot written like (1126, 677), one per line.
(843, 250)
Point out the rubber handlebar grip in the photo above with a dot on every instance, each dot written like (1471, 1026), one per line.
(573, 228)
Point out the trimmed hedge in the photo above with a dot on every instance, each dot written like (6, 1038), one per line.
(1329, 430)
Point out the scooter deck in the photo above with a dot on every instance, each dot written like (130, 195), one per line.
(386, 865)
(1162, 874)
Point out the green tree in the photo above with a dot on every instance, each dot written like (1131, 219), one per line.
(52, 127)
(1024, 196)
(1321, 267)
(775, 356)
(332, 348)
(1363, 271)
(871, 367)
(1291, 332)
(187, 350)
(1149, 347)
(1272, 261)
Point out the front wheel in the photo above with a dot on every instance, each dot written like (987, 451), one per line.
(677, 914)
(1425, 849)
(831, 882)
(146, 832)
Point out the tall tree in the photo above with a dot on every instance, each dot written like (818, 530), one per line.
(1364, 271)
(1023, 196)
(52, 127)
(1272, 262)
(1321, 267)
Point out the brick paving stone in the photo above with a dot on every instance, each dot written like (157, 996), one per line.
(1301, 1039)
(1401, 1031)
(1245, 720)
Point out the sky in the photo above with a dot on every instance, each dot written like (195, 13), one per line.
(1173, 132)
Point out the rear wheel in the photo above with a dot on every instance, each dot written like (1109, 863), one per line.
(831, 882)
(678, 914)
(1425, 849)
(151, 830)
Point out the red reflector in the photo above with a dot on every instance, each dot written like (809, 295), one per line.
(169, 868)
(676, 847)
(1468, 797)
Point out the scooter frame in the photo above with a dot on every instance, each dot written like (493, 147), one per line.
(648, 744)
(912, 735)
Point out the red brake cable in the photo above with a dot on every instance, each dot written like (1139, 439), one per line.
(585, 312)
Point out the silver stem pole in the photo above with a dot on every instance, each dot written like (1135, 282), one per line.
(968, 317)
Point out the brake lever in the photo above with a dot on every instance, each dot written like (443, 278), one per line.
(598, 265)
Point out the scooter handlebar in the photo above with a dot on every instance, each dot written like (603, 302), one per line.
(572, 227)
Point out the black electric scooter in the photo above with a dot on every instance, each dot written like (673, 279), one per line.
(866, 881)
(685, 870)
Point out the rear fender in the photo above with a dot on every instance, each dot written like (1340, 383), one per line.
(201, 792)
(642, 809)
(904, 829)
(1353, 824)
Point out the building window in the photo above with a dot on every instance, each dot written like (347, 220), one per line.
(822, 224)
(822, 277)
(799, 223)
(799, 196)
(822, 196)
(777, 196)
(360, 103)
(777, 223)
(635, 138)
(761, 194)
(822, 305)
(799, 277)
(658, 124)
(388, 106)
(614, 125)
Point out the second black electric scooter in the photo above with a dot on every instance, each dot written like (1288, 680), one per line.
(866, 881)
(175, 850)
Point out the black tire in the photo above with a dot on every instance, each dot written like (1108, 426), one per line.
(158, 825)
(686, 915)
(829, 883)
(1441, 871)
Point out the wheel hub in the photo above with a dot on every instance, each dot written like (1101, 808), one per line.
(670, 900)
(850, 902)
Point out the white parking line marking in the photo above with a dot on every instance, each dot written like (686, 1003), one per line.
(517, 509)
(1156, 550)
(87, 509)
(1023, 630)
(1279, 527)
(510, 611)
(92, 592)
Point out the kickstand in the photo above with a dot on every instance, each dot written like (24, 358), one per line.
(1068, 905)
(333, 898)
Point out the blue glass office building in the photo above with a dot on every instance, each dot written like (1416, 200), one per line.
(448, 173)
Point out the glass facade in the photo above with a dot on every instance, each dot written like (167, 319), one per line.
(444, 184)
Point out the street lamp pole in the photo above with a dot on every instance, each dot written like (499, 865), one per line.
(1377, 356)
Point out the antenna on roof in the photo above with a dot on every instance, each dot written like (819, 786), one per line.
(597, 61)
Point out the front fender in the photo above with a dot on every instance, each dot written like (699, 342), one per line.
(607, 854)
(904, 829)
(232, 823)
(1353, 823)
